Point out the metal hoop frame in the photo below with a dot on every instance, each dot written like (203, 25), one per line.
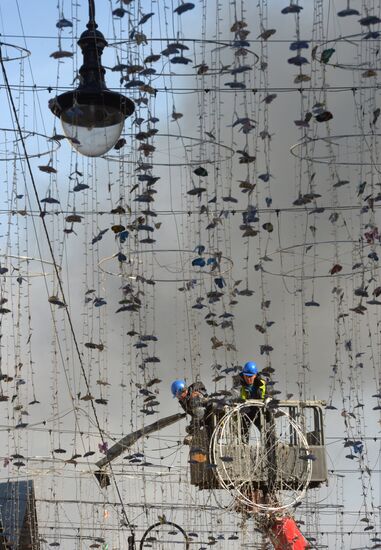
(289, 249)
(332, 159)
(227, 157)
(23, 52)
(159, 524)
(346, 66)
(28, 259)
(239, 496)
(193, 274)
(28, 134)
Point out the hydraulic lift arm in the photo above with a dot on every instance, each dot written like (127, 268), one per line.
(131, 438)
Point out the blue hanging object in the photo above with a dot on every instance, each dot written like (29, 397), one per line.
(220, 282)
(211, 261)
(292, 8)
(98, 302)
(298, 60)
(250, 215)
(358, 447)
(200, 249)
(199, 262)
(369, 20)
(121, 257)
(299, 45)
(264, 177)
(371, 34)
(346, 12)
(184, 7)
(123, 236)
(373, 256)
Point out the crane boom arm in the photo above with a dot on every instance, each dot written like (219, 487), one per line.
(131, 438)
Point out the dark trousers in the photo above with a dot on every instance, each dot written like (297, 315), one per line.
(250, 415)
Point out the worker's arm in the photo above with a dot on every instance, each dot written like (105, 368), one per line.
(197, 389)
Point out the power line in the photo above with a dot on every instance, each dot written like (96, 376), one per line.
(57, 272)
(221, 41)
(292, 209)
(166, 89)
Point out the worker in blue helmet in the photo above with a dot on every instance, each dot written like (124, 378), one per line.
(250, 384)
(191, 398)
(178, 387)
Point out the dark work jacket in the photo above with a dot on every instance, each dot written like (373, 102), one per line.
(189, 403)
(255, 391)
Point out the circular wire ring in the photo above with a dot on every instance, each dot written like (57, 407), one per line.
(192, 274)
(290, 250)
(219, 45)
(27, 259)
(345, 66)
(26, 135)
(160, 524)
(23, 52)
(333, 158)
(194, 142)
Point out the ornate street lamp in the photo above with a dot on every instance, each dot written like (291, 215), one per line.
(92, 116)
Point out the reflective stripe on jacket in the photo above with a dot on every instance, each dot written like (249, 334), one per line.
(255, 391)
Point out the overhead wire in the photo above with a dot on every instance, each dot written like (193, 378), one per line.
(57, 271)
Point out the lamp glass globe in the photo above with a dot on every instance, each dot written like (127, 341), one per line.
(92, 129)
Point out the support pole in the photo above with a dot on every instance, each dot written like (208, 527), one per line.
(91, 24)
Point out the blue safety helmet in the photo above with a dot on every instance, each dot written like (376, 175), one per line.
(250, 368)
(177, 387)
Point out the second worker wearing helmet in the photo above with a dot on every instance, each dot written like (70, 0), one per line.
(251, 384)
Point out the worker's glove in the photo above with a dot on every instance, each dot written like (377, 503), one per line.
(198, 413)
(271, 404)
(197, 401)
